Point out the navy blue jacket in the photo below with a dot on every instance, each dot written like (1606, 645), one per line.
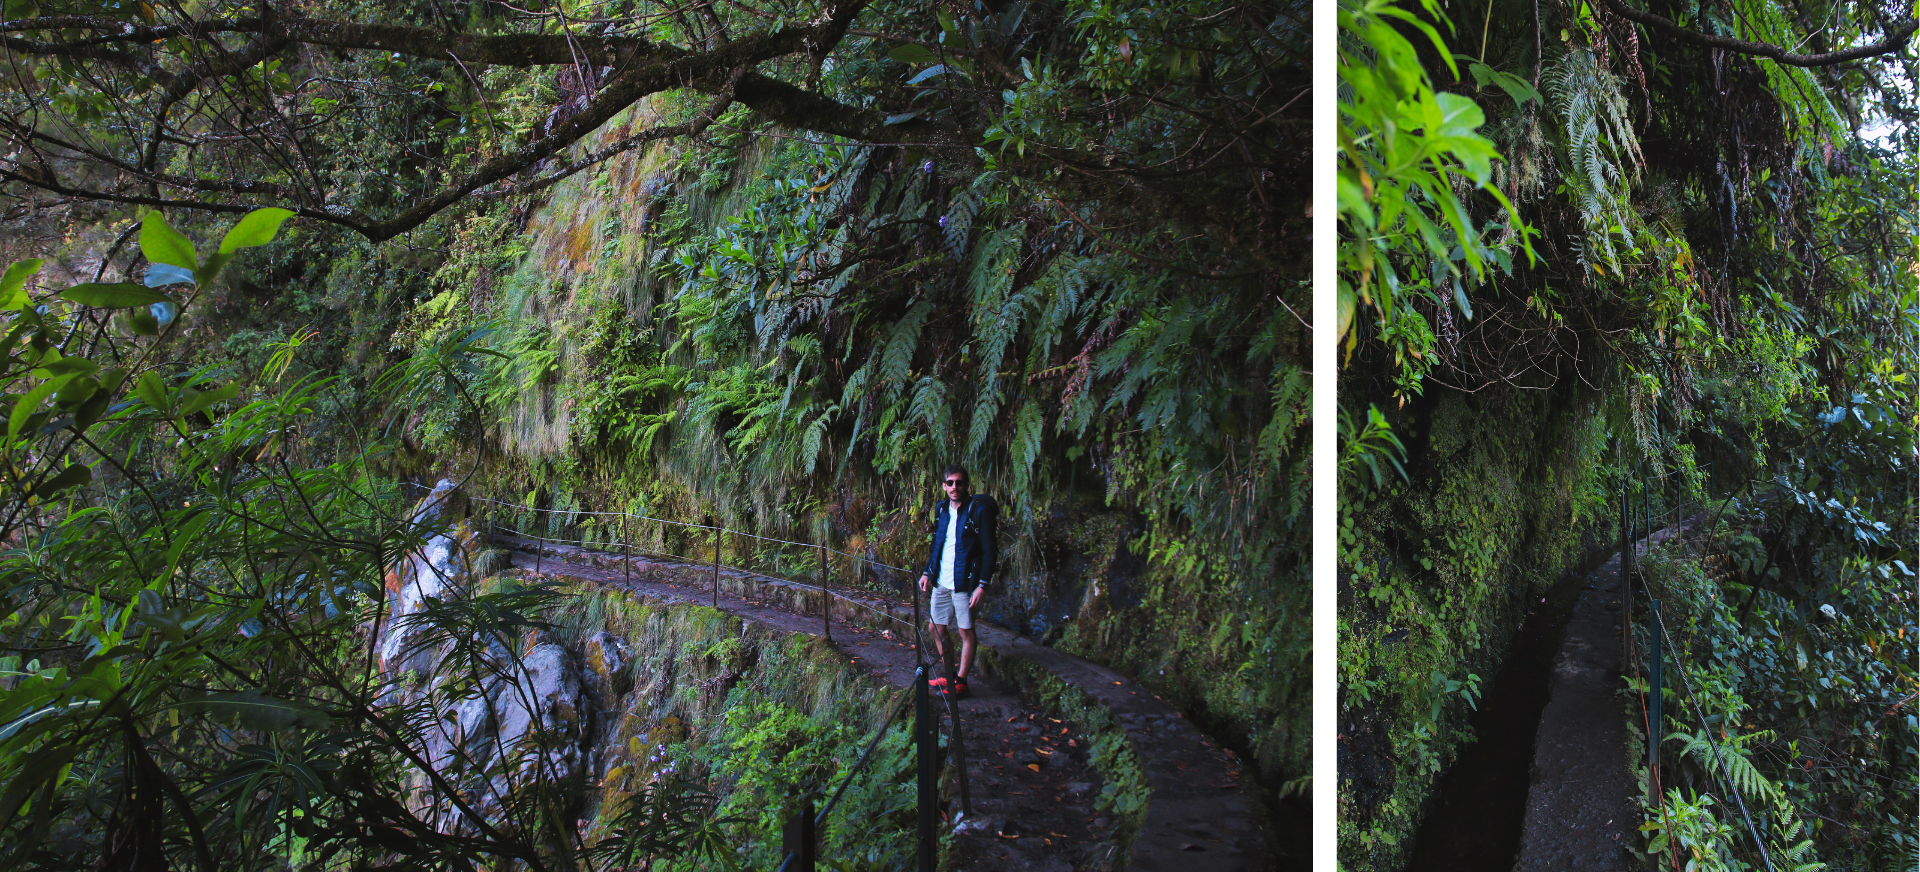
(975, 555)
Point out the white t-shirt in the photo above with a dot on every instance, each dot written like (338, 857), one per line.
(946, 551)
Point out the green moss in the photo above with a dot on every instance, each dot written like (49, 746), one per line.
(765, 717)
(1436, 576)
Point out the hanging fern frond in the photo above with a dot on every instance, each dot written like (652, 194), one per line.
(1029, 429)
(986, 409)
(896, 357)
(956, 228)
(1060, 294)
(929, 408)
(1292, 387)
(1601, 146)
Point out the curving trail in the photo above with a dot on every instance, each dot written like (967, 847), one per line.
(1034, 790)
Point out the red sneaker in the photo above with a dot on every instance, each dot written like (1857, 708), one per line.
(938, 684)
(959, 688)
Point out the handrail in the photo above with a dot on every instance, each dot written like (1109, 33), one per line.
(582, 543)
(1701, 717)
(1684, 671)
(820, 819)
(689, 525)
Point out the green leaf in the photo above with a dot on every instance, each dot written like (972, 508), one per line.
(91, 409)
(1460, 299)
(1519, 89)
(163, 244)
(30, 404)
(13, 293)
(120, 295)
(255, 709)
(73, 476)
(152, 390)
(140, 322)
(43, 764)
(258, 228)
(162, 274)
(70, 365)
(215, 263)
(928, 73)
(913, 54)
(77, 390)
(199, 400)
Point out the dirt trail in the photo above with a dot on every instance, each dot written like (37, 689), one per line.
(1033, 788)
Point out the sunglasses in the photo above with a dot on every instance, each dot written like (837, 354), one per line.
(954, 482)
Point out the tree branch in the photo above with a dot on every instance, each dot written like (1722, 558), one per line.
(628, 143)
(700, 71)
(1893, 42)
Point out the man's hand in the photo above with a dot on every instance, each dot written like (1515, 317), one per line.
(973, 602)
(923, 584)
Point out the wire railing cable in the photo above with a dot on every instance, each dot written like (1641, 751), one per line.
(687, 524)
(1718, 762)
(584, 544)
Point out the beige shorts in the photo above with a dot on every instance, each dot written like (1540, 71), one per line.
(950, 608)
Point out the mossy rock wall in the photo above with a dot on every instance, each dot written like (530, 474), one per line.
(1505, 492)
(1082, 566)
(766, 717)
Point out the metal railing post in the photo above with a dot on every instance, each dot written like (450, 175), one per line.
(799, 838)
(626, 547)
(1653, 695)
(1646, 511)
(536, 541)
(1626, 535)
(716, 562)
(959, 751)
(924, 751)
(919, 656)
(826, 596)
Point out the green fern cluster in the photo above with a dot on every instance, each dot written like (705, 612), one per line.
(1601, 150)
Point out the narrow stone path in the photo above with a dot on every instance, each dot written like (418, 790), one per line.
(1580, 814)
(1034, 789)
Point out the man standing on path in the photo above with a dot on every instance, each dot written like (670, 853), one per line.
(959, 567)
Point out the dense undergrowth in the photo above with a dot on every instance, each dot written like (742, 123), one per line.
(1096, 302)
(1638, 269)
(1807, 703)
(763, 718)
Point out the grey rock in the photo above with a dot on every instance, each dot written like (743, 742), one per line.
(442, 566)
(980, 825)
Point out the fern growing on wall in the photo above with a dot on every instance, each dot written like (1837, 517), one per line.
(1602, 150)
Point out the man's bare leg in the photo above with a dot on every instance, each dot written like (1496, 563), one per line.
(939, 634)
(966, 651)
